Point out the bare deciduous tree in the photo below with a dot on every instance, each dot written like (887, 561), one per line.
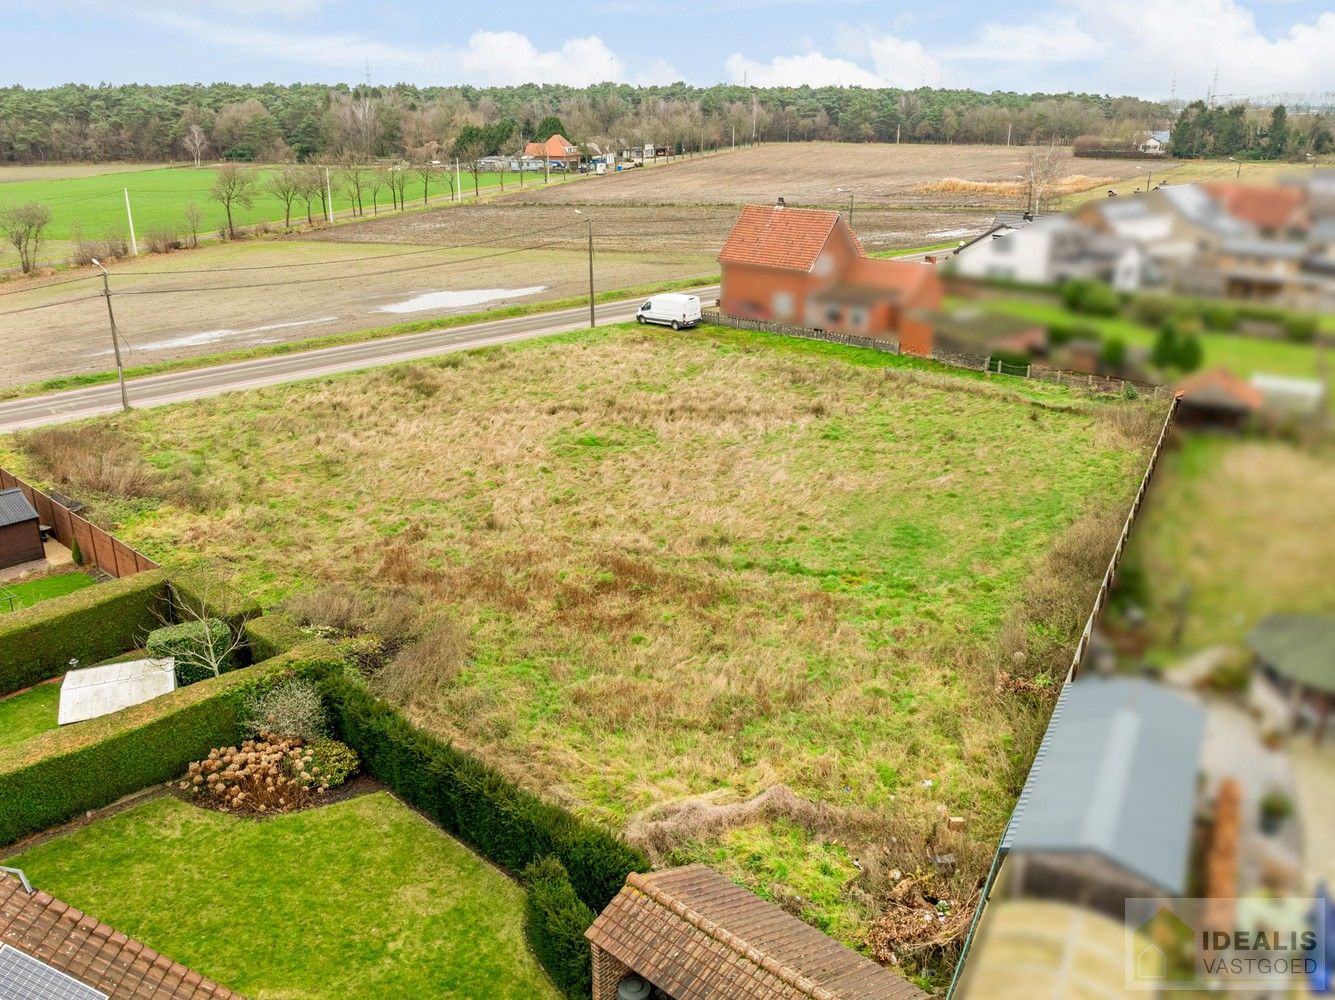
(398, 183)
(375, 183)
(285, 185)
(220, 641)
(22, 226)
(470, 158)
(311, 183)
(1040, 174)
(234, 187)
(353, 175)
(426, 171)
(195, 141)
(194, 222)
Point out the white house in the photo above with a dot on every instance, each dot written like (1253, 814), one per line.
(1053, 249)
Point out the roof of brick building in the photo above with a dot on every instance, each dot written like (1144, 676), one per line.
(697, 935)
(15, 508)
(1219, 388)
(85, 949)
(774, 236)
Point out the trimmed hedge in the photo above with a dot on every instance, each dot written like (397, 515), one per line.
(271, 635)
(555, 919)
(473, 801)
(90, 625)
(61, 773)
(187, 642)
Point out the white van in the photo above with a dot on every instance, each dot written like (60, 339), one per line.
(670, 309)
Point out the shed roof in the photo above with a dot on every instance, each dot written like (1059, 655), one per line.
(789, 238)
(1219, 388)
(1116, 775)
(1301, 647)
(15, 508)
(85, 949)
(699, 936)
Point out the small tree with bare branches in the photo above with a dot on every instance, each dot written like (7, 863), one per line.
(23, 226)
(398, 183)
(194, 222)
(285, 185)
(426, 171)
(195, 141)
(234, 187)
(353, 174)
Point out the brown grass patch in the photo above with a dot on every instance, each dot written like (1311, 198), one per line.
(1062, 186)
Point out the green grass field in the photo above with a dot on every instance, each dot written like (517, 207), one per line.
(359, 899)
(685, 567)
(14, 596)
(158, 197)
(28, 713)
(1243, 528)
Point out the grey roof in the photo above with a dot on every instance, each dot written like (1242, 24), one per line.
(1116, 775)
(1301, 647)
(15, 508)
(1160, 134)
(1193, 203)
(1265, 248)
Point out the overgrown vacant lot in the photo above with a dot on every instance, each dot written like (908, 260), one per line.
(679, 570)
(361, 898)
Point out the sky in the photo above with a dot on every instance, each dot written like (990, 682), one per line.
(1147, 48)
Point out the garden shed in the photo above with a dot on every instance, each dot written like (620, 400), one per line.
(1296, 653)
(691, 934)
(92, 692)
(20, 530)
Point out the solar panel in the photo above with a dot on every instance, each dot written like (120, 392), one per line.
(23, 977)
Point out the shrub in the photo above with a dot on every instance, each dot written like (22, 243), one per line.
(1300, 329)
(63, 772)
(89, 625)
(1152, 309)
(271, 634)
(197, 647)
(1099, 299)
(1113, 353)
(474, 802)
(1219, 317)
(76, 553)
(162, 241)
(289, 711)
(1073, 293)
(268, 775)
(333, 762)
(555, 920)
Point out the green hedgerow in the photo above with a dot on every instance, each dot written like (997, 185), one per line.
(201, 648)
(555, 920)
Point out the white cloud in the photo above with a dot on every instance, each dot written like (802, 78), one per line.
(896, 62)
(488, 57)
(1055, 39)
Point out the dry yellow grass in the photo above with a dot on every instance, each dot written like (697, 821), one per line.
(1061, 187)
(684, 565)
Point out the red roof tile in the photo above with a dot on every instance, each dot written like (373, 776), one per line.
(699, 936)
(1220, 387)
(789, 238)
(86, 949)
(1266, 206)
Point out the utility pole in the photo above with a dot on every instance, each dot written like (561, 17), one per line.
(734, 136)
(115, 337)
(134, 246)
(328, 197)
(1009, 126)
(458, 184)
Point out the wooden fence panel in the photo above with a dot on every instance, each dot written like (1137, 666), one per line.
(104, 554)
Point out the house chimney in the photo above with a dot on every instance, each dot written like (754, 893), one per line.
(781, 204)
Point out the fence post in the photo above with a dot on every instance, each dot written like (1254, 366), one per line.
(1027, 369)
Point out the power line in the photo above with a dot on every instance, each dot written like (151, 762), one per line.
(50, 284)
(49, 305)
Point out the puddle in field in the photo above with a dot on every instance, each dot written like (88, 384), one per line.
(453, 300)
(946, 234)
(213, 336)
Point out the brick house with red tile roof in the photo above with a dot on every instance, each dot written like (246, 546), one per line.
(74, 944)
(808, 268)
(1217, 397)
(556, 149)
(1276, 210)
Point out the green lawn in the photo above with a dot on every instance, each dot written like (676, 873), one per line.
(158, 198)
(14, 596)
(1242, 354)
(27, 714)
(362, 898)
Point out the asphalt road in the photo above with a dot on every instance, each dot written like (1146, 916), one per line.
(157, 390)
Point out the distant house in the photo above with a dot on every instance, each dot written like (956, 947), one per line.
(1154, 142)
(1054, 249)
(50, 949)
(692, 934)
(806, 267)
(20, 530)
(1276, 211)
(1284, 397)
(1107, 810)
(558, 151)
(1217, 398)
(1296, 653)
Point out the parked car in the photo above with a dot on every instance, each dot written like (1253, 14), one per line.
(671, 309)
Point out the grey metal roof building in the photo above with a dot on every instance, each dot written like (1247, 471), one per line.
(15, 508)
(1115, 779)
